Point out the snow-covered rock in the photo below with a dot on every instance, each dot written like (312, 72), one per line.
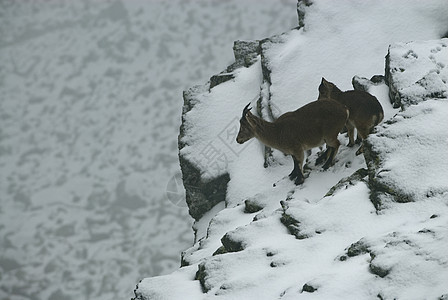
(417, 71)
(371, 226)
(404, 148)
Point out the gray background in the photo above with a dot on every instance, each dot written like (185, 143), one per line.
(90, 106)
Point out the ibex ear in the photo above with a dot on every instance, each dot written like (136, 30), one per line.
(250, 119)
(326, 83)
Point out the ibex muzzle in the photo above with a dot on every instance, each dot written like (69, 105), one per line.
(245, 132)
(295, 132)
(365, 110)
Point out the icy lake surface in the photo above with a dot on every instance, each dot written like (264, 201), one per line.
(91, 98)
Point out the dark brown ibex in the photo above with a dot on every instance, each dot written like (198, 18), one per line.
(294, 132)
(365, 110)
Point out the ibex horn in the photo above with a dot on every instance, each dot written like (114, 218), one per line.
(246, 109)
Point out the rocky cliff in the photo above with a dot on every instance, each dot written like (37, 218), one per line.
(372, 226)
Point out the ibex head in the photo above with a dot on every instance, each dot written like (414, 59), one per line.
(326, 89)
(246, 132)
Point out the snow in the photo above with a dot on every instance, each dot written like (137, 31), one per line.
(300, 60)
(340, 41)
(91, 101)
(381, 92)
(210, 136)
(420, 69)
(178, 286)
(415, 141)
(403, 256)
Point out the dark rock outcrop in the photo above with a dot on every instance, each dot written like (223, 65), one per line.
(363, 247)
(231, 243)
(358, 248)
(378, 270)
(308, 288)
(252, 206)
(351, 180)
(246, 53)
(355, 249)
(201, 275)
(201, 195)
(291, 223)
(220, 78)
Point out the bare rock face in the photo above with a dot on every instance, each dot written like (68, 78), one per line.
(416, 71)
(245, 53)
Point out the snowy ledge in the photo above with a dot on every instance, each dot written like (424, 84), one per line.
(369, 227)
(417, 70)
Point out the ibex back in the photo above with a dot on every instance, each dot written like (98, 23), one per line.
(294, 132)
(365, 110)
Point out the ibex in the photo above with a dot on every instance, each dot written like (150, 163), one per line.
(294, 132)
(365, 110)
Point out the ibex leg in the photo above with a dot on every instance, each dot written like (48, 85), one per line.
(334, 144)
(330, 159)
(323, 156)
(296, 173)
(363, 132)
(351, 134)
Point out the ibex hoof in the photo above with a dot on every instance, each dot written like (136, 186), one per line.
(299, 180)
(350, 144)
(321, 158)
(360, 150)
(326, 166)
